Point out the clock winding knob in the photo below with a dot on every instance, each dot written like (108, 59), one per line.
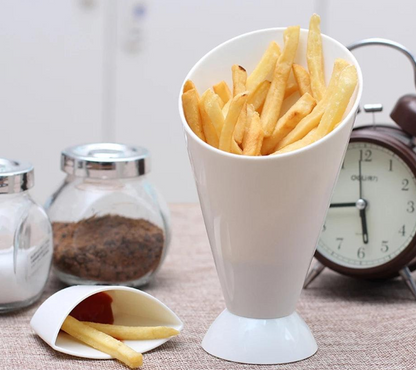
(404, 113)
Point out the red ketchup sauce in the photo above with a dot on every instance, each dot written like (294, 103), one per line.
(96, 308)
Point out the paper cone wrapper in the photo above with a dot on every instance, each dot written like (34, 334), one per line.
(130, 307)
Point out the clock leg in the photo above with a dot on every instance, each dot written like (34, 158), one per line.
(315, 271)
(408, 279)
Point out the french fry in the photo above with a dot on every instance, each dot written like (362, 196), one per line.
(241, 125)
(275, 95)
(234, 111)
(220, 102)
(338, 102)
(225, 108)
(265, 67)
(210, 132)
(189, 85)
(310, 138)
(288, 121)
(102, 342)
(190, 103)
(291, 88)
(258, 96)
(134, 332)
(223, 91)
(235, 149)
(252, 144)
(312, 120)
(211, 104)
(250, 112)
(239, 79)
(315, 58)
(303, 79)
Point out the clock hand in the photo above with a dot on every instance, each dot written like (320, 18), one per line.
(360, 182)
(364, 225)
(337, 205)
(362, 205)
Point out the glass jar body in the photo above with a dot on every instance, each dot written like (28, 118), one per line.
(108, 231)
(25, 250)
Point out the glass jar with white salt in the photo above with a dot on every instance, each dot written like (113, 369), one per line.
(25, 238)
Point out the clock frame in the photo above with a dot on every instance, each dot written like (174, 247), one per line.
(387, 137)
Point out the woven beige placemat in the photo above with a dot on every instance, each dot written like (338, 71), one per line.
(358, 325)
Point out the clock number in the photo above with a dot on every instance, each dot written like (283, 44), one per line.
(402, 231)
(365, 155)
(405, 184)
(411, 206)
(324, 228)
(361, 253)
(340, 240)
(343, 165)
(391, 165)
(384, 246)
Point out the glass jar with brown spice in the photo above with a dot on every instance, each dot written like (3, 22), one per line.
(110, 226)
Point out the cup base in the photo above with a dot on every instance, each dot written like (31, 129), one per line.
(259, 341)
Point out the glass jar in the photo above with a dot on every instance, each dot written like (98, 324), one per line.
(25, 238)
(110, 225)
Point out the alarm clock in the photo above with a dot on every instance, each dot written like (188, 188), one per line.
(370, 228)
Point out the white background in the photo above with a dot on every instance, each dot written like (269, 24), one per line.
(76, 71)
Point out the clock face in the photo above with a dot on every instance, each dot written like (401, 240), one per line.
(372, 217)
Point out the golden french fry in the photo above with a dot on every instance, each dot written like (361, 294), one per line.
(315, 58)
(225, 108)
(190, 103)
(235, 149)
(265, 67)
(239, 79)
(210, 132)
(134, 332)
(312, 120)
(223, 91)
(303, 79)
(241, 125)
(275, 95)
(103, 342)
(291, 88)
(338, 102)
(250, 112)
(258, 96)
(236, 105)
(220, 103)
(211, 104)
(255, 136)
(288, 121)
(189, 85)
(310, 138)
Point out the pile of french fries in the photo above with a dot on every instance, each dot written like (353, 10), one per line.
(107, 338)
(253, 119)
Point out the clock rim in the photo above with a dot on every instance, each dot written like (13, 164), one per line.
(391, 268)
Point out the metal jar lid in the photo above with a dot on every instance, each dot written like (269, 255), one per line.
(105, 160)
(15, 176)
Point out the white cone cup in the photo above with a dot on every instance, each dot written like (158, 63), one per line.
(130, 307)
(263, 215)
